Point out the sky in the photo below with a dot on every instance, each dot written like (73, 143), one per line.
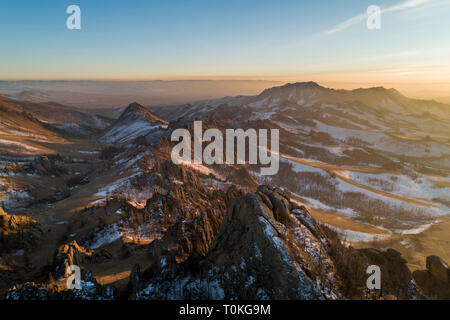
(286, 40)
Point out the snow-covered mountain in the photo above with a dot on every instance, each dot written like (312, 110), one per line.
(134, 122)
(363, 142)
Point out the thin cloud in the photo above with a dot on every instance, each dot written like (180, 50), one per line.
(408, 4)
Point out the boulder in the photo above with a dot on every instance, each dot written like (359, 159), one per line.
(434, 281)
(438, 268)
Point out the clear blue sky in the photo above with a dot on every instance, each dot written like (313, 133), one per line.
(251, 39)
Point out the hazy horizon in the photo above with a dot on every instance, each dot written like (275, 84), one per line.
(291, 41)
(92, 94)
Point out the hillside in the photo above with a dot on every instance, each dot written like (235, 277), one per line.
(134, 122)
(360, 171)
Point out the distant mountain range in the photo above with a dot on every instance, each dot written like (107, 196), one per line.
(114, 94)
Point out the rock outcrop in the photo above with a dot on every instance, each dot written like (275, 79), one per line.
(56, 286)
(90, 290)
(396, 278)
(197, 216)
(268, 247)
(226, 245)
(438, 268)
(18, 232)
(435, 281)
(253, 256)
(70, 254)
(135, 121)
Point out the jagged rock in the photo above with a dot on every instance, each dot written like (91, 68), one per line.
(396, 278)
(45, 166)
(254, 239)
(194, 229)
(433, 282)
(18, 232)
(170, 170)
(101, 255)
(242, 177)
(438, 268)
(135, 121)
(11, 168)
(56, 288)
(307, 220)
(135, 278)
(70, 254)
(253, 256)
(265, 199)
(268, 247)
(28, 291)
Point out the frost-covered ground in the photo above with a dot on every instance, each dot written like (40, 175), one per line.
(12, 196)
(122, 133)
(421, 187)
(356, 236)
(383, 142)
(203, 169)
(20, 147)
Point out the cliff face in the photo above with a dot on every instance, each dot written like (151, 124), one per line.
(434, 282)
(268, 247)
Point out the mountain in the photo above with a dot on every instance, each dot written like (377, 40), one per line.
(99, 95)
(135, 121)
(371, 155)
(308, 94)
(19, 128)
(28, 128)
(63, 117)
(363, 180)
(378, 98)
(266, 247)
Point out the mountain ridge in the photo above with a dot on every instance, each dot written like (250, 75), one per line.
(135, 121)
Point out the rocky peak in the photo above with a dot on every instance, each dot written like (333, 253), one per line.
(260, 233)
(268, 247)
(260, 244)
(135, 111)
(18, 232)
(70, 254)
(434, 282)
(135, 121)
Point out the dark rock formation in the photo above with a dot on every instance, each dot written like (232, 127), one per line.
(253, 256)
(18, 233)
(396, 278)
(56, 287)
(435, 281)
(438, 268)
(90, 290)
(268, 247)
